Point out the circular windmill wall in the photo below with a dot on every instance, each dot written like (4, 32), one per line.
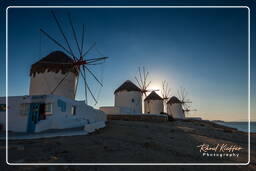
(47, 73)
(153, 104)
(153, 107)
(129, 96)
(174, 108)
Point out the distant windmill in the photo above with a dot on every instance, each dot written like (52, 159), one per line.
(182, 95)
(166, 92)
(80, 62)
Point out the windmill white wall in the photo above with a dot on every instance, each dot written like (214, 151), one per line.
(45, 83)
(174, 108)
(153, 104)
(129, 97)
(176, 111)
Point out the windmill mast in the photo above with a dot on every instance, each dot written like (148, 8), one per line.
(166, 92)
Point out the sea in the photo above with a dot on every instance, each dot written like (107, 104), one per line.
(241, 126)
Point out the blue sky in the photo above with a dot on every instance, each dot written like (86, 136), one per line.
(203, 50)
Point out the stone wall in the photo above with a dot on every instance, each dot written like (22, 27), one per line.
(142, 117)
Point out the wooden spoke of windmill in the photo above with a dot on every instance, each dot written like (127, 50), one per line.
(80, 63)
(187, 110)
(166, 91)
(182, 95)
(142, 81)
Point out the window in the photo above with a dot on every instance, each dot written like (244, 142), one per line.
(24, 109)
(73, 110)
(133, 100)
(48, 108)
(62, 105)
(2, 107)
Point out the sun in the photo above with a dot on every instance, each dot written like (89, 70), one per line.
(155, 87)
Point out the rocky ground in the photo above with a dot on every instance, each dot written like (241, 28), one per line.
(134, 142)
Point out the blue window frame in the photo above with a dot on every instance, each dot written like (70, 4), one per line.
(62, 105)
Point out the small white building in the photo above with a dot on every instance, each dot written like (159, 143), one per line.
(128, 100)
(153, 104)
(51, 102)
(174, 108)
(39, 113)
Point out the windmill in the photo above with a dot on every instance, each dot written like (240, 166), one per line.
(166, 92)
(80, 61)
(182, 95)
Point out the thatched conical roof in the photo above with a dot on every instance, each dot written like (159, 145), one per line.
(54, 62)
(173, 100)
(128, 86)
(153, 96)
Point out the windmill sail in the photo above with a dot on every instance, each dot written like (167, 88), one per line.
(80, 63)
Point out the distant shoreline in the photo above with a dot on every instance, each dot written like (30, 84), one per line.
(240, 126)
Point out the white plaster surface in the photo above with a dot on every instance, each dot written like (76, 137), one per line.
(45, 83)
(129, 99)
(58, 120)
(153, 106)
(175, 110)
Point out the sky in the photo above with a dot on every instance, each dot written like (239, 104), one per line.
(203, 50)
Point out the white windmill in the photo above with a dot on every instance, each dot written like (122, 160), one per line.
(58, 73)
(182, 94)
(128, 98)
(176, 106)
(153, 104)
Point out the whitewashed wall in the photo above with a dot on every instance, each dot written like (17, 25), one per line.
(153, 106)
(58, 120)
(16, 121)
(124, 99)
(44, 83)
(175, 110)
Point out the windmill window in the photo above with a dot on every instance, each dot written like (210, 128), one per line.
(48, 108)
(133, 100)
(62, 105)
(2, 107)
